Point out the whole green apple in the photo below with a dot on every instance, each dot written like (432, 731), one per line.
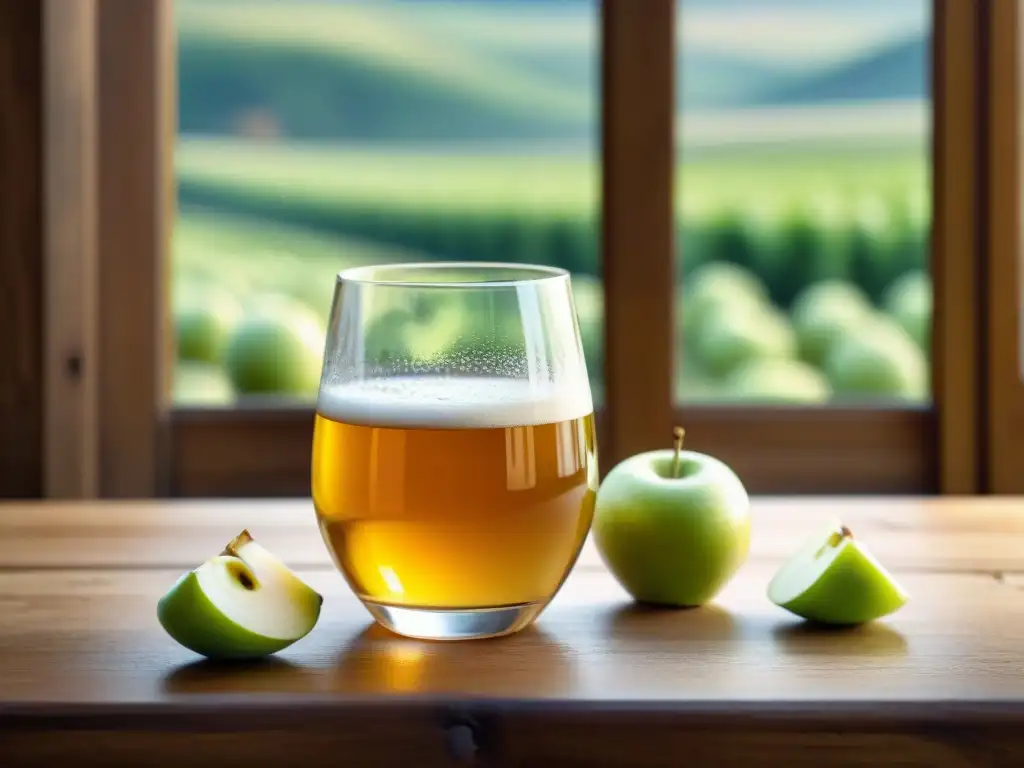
(672, 526)
(714, 286)
(777, 381)
(909, 301)
(200, 384)
(277, 348)
(734, 337)
(880, 360)
(823, 313)
(242, 604)
(834, 579)
(204, 319)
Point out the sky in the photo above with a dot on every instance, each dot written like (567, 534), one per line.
(799, 32)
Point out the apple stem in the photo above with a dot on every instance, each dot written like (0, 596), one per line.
(237, 543)
(846, 532)
(677, 438)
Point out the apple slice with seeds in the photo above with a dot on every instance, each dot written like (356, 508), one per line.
(243, 603)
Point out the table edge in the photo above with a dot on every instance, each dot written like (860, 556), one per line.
(312, 712)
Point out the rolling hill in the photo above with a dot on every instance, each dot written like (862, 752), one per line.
(355, 71)
(709, 78)
(898, 70)
(436, 70)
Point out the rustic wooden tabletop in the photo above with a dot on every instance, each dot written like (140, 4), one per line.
(86, 670)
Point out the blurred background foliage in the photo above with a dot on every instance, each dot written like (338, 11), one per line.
(320, 134)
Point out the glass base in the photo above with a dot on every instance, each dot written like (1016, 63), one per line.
(454, 624)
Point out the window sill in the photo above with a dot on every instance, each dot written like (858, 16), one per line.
(253, 452)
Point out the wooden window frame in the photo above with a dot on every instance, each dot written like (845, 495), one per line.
(145, 447)
(1003, 418)
(21, 250)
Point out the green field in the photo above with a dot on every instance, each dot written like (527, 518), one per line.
(790, 216)
(757, 178)
(251, 257)
(230, 191)
(260, 219)
(320, 135)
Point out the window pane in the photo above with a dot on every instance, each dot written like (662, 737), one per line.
(803, 201)
(316, 135)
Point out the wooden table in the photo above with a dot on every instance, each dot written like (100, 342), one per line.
(86, 673)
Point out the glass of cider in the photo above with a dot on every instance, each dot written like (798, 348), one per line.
(454, 455)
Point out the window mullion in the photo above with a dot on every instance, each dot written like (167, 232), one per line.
(956, 257)
(136, 145)
(1002, 142)
(638, 75)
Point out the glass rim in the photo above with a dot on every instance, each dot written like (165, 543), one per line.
(376, 274)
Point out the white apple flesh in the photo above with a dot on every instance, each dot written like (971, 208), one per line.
(672, 526)
(834, 579)
(241, 604)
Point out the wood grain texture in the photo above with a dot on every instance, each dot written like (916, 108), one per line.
(71, 431)
(947, 535)
(598, 680)
(944, 534)
(21, 250)
(80, 639)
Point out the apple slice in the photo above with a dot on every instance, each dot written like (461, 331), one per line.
(243, 603)
(833, 579)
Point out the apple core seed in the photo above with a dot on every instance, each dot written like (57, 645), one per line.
(242, 575)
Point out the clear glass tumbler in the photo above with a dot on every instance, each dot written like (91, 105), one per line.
(454, 454)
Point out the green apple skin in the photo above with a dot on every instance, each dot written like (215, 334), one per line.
(204, 318)
(880, 360)
(909, 301)
(718, 286)
(277, 348)
(731, 338)
(201, 384)
(241, 604)
(188, 616)
(672, 541)
(777, 381)
(823, 313)
(850, 587)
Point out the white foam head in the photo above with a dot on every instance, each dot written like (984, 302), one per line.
(453, 403)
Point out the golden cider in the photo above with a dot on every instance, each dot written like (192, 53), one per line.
(453, 494)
